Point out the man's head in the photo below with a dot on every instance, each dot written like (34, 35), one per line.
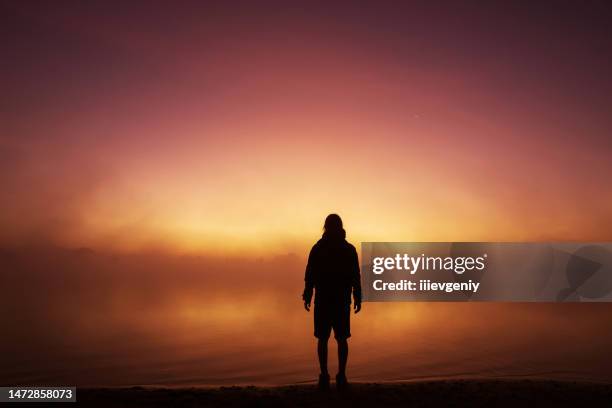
(333, 223)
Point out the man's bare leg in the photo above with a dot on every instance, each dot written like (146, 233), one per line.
(322, 351)
(342, 356)
(324, 376)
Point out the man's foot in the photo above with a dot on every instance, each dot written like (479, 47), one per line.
(341, 381)
(324, 382)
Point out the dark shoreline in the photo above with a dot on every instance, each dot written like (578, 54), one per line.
(456, 393)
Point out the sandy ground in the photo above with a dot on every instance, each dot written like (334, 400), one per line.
(456, 393)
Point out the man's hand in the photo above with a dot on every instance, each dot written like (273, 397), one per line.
(357, 307)
(307, 298)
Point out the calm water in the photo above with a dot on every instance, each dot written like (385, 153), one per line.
(84, 318)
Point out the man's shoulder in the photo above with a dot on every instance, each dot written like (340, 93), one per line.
(317, 245)
(321, 243)
(350, 246)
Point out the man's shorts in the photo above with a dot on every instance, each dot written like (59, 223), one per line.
(328, 317)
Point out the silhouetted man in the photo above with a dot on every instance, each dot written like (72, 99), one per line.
(333, 273)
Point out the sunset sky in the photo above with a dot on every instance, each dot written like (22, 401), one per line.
(237, 128)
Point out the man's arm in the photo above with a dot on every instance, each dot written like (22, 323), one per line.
(308, 281)
(356, 282)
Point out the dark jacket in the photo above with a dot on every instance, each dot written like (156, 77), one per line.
(333, 271)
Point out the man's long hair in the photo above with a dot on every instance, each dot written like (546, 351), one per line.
(333, 227)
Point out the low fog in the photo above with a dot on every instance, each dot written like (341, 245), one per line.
(87, 317)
